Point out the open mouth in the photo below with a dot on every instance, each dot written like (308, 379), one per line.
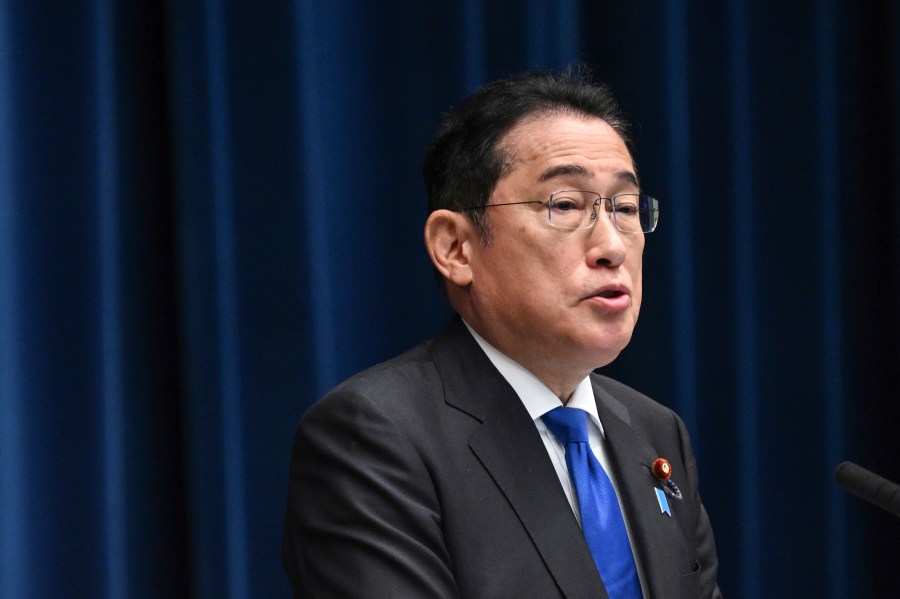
(610, 294)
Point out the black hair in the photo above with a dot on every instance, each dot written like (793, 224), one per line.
(466, 160)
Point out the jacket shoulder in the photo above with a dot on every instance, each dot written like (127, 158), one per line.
(383, 387)
(625, 399)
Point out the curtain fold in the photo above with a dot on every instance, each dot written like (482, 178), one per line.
(211, 213)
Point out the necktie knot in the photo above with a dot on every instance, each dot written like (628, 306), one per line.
(569, 425)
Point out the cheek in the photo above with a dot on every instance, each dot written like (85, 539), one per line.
(638, 276)
(638, 296)
(636, 270)
(503, 281)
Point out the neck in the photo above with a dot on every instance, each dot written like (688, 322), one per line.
(561, 382)
(562, 387)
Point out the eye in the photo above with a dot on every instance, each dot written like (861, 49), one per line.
(566, 204)
(627, 205)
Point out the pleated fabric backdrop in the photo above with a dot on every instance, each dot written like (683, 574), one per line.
(211, 212)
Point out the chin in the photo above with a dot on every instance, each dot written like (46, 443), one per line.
(607, 359)
(607, 350)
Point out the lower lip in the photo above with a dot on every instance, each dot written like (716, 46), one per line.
(617, 303)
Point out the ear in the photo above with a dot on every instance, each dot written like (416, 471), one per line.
(448, 240)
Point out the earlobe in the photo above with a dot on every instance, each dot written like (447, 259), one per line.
(448, 237)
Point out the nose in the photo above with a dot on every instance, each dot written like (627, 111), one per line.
(607, 246)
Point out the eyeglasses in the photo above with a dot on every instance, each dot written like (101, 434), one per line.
(576, 209)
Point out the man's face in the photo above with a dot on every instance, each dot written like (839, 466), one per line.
(555, 299)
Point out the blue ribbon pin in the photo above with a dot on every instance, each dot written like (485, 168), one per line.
(663, 502)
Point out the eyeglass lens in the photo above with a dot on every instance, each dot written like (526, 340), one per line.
(578, 209)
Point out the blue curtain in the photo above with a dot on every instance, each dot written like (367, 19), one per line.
(211, 213)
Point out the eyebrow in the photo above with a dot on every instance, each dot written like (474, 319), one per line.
(578, 170)
(563, 170)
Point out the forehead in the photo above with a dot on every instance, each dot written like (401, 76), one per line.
(548, 140)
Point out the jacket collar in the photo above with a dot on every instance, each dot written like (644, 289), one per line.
(657, 535)
(508, 446)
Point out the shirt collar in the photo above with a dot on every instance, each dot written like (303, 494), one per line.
(537, 398)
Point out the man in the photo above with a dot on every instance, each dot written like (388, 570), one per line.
(447, 472)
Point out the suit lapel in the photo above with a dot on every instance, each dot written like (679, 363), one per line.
(509, 447)
(656, 535)
(521, 469)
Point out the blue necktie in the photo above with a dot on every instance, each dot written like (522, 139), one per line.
(601, 518)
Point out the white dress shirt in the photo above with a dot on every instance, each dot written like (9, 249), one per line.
(538, 399)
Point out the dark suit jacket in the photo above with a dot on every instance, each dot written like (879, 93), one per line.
(426, 477)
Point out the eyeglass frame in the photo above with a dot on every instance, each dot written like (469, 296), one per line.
(652, 201)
